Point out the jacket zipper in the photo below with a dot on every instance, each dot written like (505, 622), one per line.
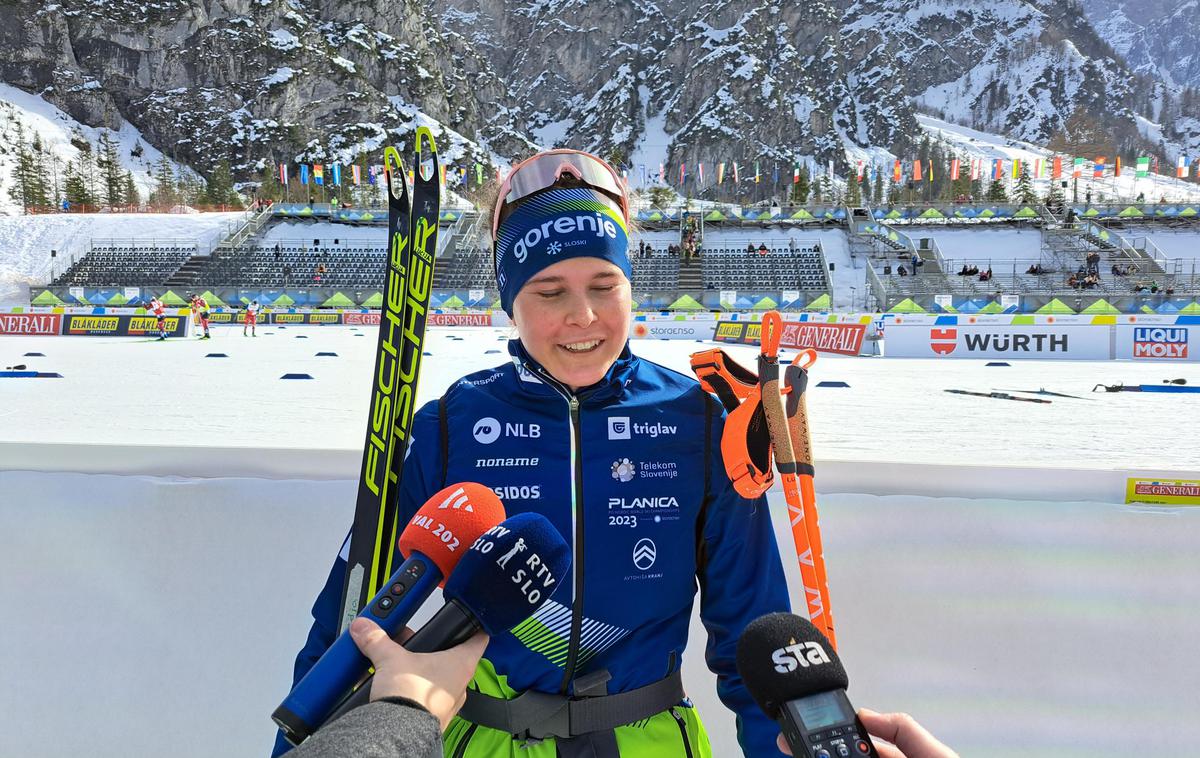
(687, 746)
(576, 522)
(461, 750)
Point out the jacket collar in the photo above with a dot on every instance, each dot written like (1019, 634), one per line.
(609, 388)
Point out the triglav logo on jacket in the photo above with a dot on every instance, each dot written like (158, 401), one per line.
(620, 428)
(487, 430)
(623, 470)
(799, 654)
(644, 553)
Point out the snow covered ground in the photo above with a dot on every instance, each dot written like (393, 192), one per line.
(26, 241)
(894, 410)
(176, 605)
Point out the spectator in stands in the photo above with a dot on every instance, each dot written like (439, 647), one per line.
(762, 248)
(749, 247)
(642, 249)
(1087, 197)
(1141, 197)
(964, 271)
(791, 244)
(287, 274)
(1033, 269)
(974, 269)
(1073, 282)
(901, 271)
(278, 252)
(1116, 270)
(986, 276)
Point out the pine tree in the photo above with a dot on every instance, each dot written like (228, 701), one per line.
(23, 172)
(996, 192)
(1025, 193)
(76, 186)
(269, 187)
(219, 189)
(164, 194)
(1056, 199)
(108, 167)
(853, 193)
(802, 188)
(40, 190)
(130, 191)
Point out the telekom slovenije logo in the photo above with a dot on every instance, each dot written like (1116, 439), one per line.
(943, 341)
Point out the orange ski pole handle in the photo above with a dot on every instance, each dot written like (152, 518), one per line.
(815, 598)
(796, 381)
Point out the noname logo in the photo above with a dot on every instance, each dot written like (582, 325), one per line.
(623, 470)
(799, 655)
(562, 226)
(1160, 342)
(620, 428)
(487, 430)
(644, 553)
(506, 462)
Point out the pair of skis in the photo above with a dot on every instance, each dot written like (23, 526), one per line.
(408, 281)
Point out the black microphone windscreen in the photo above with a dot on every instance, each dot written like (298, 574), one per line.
(782, 657)
(510, 571)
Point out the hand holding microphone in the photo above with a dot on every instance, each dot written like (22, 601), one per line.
(795, 676)
(433, 542)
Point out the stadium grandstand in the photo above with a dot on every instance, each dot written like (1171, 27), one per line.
(952, 257)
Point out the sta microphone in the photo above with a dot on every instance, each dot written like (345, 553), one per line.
(509, 572)
(794, 675)
(435, 540)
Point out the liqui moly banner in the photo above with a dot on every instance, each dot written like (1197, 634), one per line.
(30, 323)
(1158, 343)
(845, 339)
(1030, 341)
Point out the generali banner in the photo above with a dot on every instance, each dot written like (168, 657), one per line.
(460, 319)
(30, 323)
(844, 339)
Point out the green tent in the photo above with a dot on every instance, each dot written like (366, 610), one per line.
(715, 216)
(992, 307)
(1187, 212)
(1130, 212)
(283, 301)
(932, 213)
(47, 298)
(212, 299)
(367, 216)
(305, 212)
(906, 306)
(633, 305)
(170, 298)
(1101, 306)
(802, 215)
(1091, 212)
(654, 216)
(454, 301)
(1148, 309)
(986, 213)
(821, 303)
(1055, 306)
(1026, 212)
(1191, 309)
(685, 303)
(117, 299)
(765, 304)
(764, 216)
(338, 300)
(374, 301)
(893, 213)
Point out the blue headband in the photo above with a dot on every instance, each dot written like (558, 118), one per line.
(553, 226)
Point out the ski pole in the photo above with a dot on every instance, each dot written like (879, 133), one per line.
(815, 593)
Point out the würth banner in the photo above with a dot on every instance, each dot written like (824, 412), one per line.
(845, 339)
(30, 323)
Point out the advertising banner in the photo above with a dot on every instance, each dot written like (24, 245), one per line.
(1163, 491)
(845, 339)
(1158, 343)
(30, 323)
(1036, 341)
(305, 318)
(673, 330)
(361, 319)
(460, 319)
(224, 317)
(730, 331)
(122, 325)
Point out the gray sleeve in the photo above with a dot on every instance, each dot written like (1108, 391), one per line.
(376, 730)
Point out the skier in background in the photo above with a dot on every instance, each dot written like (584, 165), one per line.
(624, 457)
(200, 308)
(251, 319)
(156, 307)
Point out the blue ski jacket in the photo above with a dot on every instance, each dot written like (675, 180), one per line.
(630, 472)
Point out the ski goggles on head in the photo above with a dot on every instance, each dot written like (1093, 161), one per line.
(543, 170)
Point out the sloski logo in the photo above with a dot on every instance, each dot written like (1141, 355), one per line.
(487, 430)
(623, 470)
(644, 554)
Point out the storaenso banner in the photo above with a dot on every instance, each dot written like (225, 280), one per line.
(1037, 341)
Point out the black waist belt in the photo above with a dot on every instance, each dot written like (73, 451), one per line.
(539, 715)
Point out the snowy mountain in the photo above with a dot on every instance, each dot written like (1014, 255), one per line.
(643, 81)
(1158, 38)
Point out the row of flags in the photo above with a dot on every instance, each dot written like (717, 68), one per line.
(997, 169)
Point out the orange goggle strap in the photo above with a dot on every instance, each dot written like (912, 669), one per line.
(746, 440)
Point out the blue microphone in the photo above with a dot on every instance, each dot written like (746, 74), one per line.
(434, 541)
(509, 572)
